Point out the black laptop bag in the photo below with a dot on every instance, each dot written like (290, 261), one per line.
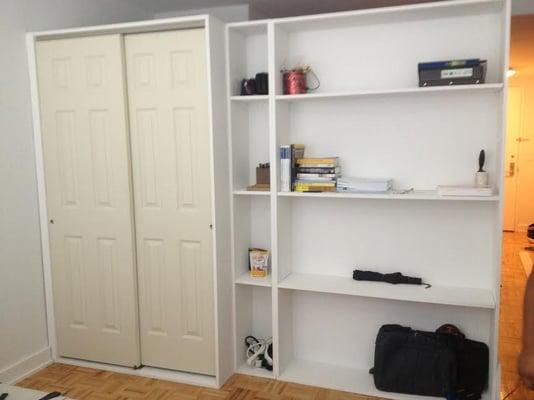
(442, 363)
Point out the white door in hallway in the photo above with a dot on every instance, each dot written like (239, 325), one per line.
(168, 97)
(513, 136)
(85, 145)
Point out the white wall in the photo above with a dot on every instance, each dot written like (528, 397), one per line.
(522, 7)
(234, 13)
(22, 310)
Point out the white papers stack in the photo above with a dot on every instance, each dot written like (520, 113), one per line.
(364, 185)
(465, 191)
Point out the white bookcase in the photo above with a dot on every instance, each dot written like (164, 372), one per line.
(369, 112)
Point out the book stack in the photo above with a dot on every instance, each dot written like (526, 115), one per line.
(317, 174)
(289, 154)
(362, 185)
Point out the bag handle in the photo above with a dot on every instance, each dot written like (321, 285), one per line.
(450, 329)
(316, 78)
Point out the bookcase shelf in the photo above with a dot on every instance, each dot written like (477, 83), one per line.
(253, 317)
(250, 98)
(488, 87)
(414, 195)
(373, 116)
(447, 295)
(248, 370)
(245, 192)
(246, 279)
(356, 380)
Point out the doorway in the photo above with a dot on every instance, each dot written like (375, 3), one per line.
(519, 161)
(518, 211)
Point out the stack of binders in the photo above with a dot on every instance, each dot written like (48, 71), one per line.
(454, 72)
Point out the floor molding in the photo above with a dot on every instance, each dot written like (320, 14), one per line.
(26, 367)
(147, 372)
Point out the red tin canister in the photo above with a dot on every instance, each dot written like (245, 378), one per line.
(295, 81)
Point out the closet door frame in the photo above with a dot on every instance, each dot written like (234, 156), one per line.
(222, 297)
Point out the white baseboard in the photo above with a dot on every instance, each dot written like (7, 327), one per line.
(148, 372)
(26, 367)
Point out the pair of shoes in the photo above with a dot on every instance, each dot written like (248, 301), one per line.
(259, 352)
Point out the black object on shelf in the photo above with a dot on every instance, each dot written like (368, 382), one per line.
(393, 278)
(452, 72)
(262, 83)
(481, 161)
(257, 85)
(442, 363)
(248, 87)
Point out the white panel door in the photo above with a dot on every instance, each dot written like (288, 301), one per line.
(167, 86)
(86, 156)
(513, 134)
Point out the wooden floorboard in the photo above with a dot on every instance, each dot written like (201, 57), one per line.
(512, 291)
(84, 383)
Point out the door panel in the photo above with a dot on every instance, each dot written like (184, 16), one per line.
(513, 133)
(167, 85)
(87, 171)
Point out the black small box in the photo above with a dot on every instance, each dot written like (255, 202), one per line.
(262, 83)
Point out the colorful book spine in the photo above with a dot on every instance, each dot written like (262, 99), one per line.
(304, 187)
(285, 168)
(317, 179)
(323, 161)
(321, 170)
(315, 176)
(297, 152)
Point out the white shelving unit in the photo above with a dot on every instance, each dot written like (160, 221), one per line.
(250, 98)
(244, 192)
(369, 112)
(413, 195)
(492, 87)
(449, 295)
(246, 279)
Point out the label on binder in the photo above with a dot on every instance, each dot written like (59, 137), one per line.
(457, 73)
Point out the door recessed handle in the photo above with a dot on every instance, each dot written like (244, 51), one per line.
(511, 169)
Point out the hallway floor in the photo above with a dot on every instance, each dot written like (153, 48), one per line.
(512, 292)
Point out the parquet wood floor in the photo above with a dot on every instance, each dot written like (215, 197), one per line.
(511, 324)
(90, 384)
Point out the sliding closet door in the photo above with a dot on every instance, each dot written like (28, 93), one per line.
(171, 162)
(85, 143)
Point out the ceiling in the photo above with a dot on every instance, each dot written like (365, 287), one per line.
(284, 8)
(270, 8)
